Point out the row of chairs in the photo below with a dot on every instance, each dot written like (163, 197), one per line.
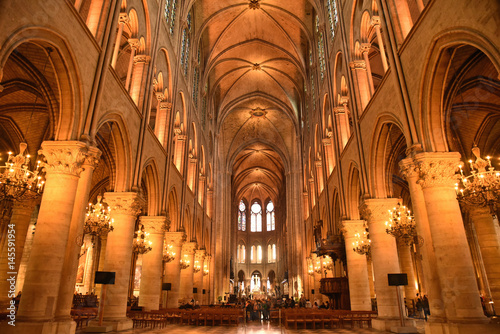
(197, 317)
(327, 319)
(83, 315)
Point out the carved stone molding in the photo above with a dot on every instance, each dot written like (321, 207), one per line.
(375, 21)
(165, 105)
(375, 210)
(437, 169)
(326, 141)
(254, 4)
(175, 238)
(124, 203)
(154, 224)
(134, 43)
(364, 47)
(92, 158)
(338, 110)
(63, 157)
(408, 168)
(26, 205)
(142, 59)
(199, 255)
(351, 227)
(189, 248)
(124, 18)
(357, 65)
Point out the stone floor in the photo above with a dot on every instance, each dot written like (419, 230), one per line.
(251, 328)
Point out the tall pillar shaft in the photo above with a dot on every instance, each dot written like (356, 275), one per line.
(149, 295)
(454, 263)
(198, 276)
(429, 264)
(357, 269)
(173, 268)
(43, 275)
(124, 208)
(186, 283)
(488, 238)
(406, 263)
(385, 258)
(69, 272)
(13, 248)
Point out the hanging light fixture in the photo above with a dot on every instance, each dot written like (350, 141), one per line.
(317, 266)
(362, 244)
(168, 253)
(196, 267)
(327, 263)
(310, 267)
(98, 222)
(185, 262)
(401, 224)
(17, 180)
(205, 270)
(141, 245)
(482, 186)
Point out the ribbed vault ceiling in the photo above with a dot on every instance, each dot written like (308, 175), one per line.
(255, 58)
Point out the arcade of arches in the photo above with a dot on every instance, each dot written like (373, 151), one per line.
(249, 144)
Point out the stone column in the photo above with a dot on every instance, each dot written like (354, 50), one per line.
(161, 123)
(206, 280)
(487, 235)
(136, 85)
(385, 260)
(375, 22)
(360, 76)
(43, 275)
(149, 295)
(70, 268)
(454, 264)
(173, 269)
(364, 49)
(406, 263)
(134, 45)
(180, 143)
(199, 258)
(316, 279)
(20, 221)
(186, 282)
(409, 171)
(122, 21)
(357, 269)
(124, 208)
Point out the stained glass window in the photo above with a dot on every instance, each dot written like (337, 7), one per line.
(242, 219)
(256, 219)
(172, 16)
(333, 17)
(270, 216)
(271, 253)
(321, 50)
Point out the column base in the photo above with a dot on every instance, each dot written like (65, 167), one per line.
(116, 325)
(386, 324)
(39, 327)
(461, 328)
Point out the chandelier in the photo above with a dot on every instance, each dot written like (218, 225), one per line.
(401, 224)
(317, 266)
(482, 187)
(185, 262)
(310, 267)
(362, 244)
(327, 263)
(17, 180)
(141, 245)
(196, 267)
(97, 220)
(205, 270)
(168, 253)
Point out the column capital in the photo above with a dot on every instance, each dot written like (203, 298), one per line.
(175, 238)
(134, 43)
(154, 224)
(125, 203)
(142, 59)
(351, 227)
(318, 163)
(437, 169)
(180, 137)
(165, 105)
(199, 255)
(408, 169)
(357, 65)
(26, 205)
(375, 21)
(338, 110)
(63, 157)
(376, 209)
(326, 141)
(364, 47)
(124, 18)
(189, 248)
(92, 157)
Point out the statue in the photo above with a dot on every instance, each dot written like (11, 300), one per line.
(317, 234)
